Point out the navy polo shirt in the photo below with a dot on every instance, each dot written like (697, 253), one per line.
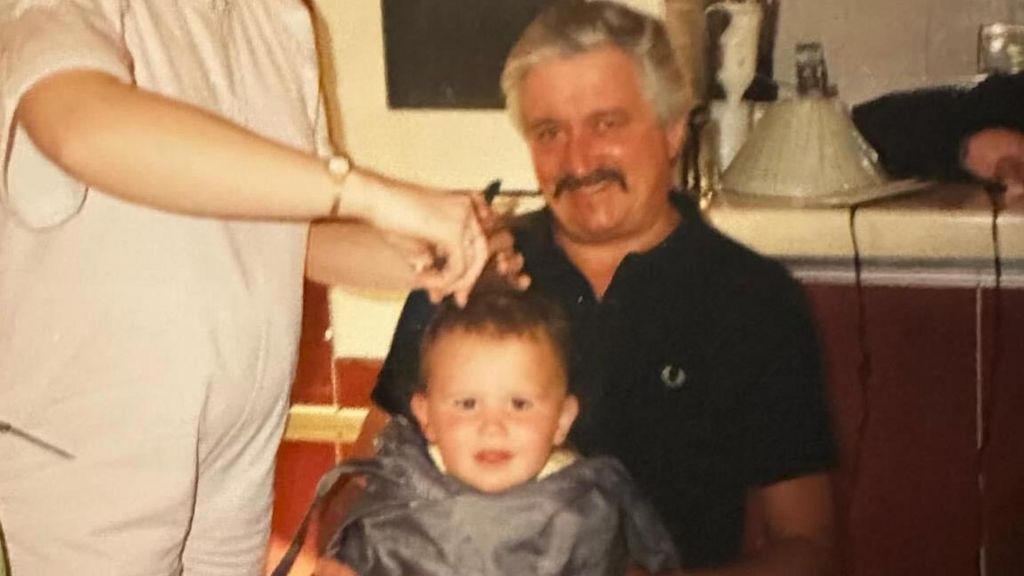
(699, 369)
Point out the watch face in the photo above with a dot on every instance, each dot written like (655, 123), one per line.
(338, 166)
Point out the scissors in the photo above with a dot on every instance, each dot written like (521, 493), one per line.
(491, 191)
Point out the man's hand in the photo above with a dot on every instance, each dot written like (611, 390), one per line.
(505, 264)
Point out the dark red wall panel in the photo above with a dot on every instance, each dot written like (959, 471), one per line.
(908, 481)
(1004, 452)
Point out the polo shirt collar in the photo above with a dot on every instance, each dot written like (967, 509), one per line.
(537, 240)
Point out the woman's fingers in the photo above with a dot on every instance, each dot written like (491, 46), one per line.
(460, 260)
(447, 224)
(449, 239)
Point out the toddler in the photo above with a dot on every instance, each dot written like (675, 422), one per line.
(487, 489)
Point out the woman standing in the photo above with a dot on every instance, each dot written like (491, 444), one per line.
(161, 162)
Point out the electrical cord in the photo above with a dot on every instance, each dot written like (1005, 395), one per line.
(989, 372)
(995, 194)
(864, 374)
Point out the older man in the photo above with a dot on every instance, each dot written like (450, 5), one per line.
(695, 359)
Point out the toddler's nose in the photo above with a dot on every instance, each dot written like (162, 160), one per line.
(492, 423)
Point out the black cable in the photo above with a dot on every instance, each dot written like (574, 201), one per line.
(995, 194)
(864, 373)
(987, 400)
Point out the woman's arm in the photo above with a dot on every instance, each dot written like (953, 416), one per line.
(359, 256)
(149, 149)
(356, 255)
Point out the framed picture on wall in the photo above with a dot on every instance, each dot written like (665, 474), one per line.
(449, 53)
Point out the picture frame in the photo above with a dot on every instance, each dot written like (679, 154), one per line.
(450, 53)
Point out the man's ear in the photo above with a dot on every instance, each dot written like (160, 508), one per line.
(422, 414)
(570, 409)
(675, 136)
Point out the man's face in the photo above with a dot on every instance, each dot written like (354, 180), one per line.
(494, 407)
(602, 158)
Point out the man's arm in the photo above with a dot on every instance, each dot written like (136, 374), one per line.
(798, 531)
(795, 533)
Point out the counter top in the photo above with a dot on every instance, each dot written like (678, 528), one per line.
(939, 231)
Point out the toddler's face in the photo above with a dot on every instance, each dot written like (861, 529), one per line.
(494, 406)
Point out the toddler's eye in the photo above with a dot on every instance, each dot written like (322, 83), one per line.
(521, 404)
(465, 403)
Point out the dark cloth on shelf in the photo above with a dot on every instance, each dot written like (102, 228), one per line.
(919, 133)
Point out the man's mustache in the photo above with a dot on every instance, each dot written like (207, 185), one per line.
(570, 183)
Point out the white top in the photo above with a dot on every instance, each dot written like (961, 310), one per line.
(93, 287)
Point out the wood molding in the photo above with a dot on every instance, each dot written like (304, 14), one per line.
(324, 423)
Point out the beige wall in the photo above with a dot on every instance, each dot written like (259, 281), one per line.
(875, 46)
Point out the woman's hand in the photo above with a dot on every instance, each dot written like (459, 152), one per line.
(503, 265)
(444, 241)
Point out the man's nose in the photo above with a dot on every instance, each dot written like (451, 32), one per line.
(579, 156)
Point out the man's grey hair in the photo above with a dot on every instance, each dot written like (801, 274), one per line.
(569, 27)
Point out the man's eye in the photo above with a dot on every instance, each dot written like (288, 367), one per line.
(465, 403)
(606, 123)
(545, 134)
(521, 404)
